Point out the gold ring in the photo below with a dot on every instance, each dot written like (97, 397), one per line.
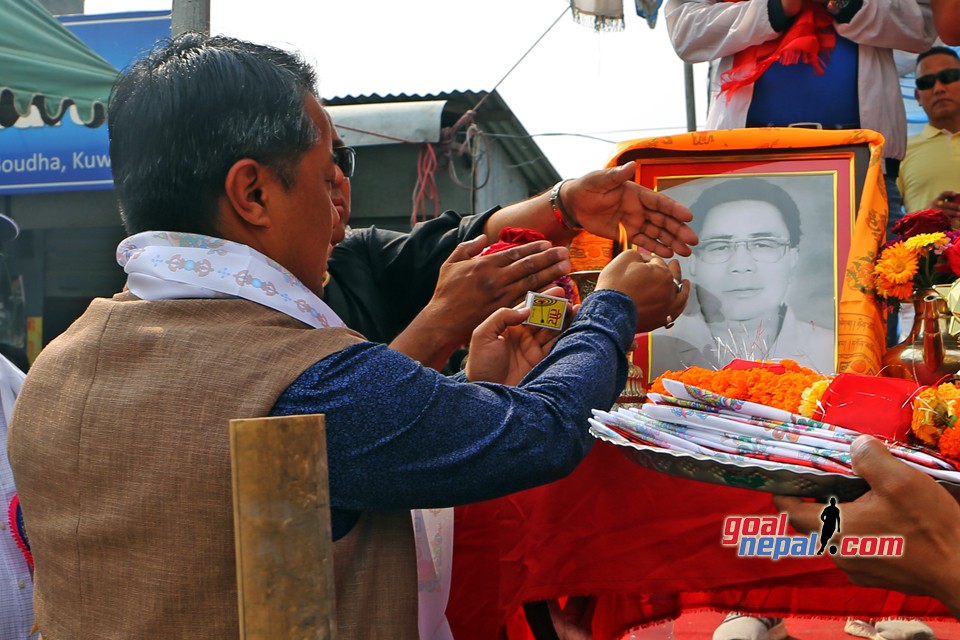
(669, 323)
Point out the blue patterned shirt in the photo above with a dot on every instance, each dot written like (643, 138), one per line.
(402, 436)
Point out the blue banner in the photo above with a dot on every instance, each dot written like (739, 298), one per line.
(38, 158)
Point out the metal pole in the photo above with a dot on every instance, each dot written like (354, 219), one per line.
(691, 101)
(190, 15)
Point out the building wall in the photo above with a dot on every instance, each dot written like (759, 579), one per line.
(383, 186)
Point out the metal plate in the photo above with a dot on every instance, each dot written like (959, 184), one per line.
(761, 476)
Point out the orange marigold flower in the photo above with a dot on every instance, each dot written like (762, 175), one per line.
(902, 291)
(950, 443)
(897, 264)
(759, 385)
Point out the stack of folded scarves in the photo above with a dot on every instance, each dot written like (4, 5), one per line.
(684, 418)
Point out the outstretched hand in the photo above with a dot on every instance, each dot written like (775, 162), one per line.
(602, 200)
(471, 287)
(902, 501)
(503, 349)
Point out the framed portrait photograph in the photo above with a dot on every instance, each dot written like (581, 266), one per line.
(775, 229)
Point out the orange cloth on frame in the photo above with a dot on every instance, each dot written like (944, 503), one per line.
(861, 329)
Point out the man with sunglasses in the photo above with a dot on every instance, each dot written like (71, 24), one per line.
(930, 173)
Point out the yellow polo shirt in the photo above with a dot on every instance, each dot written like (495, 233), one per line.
(931, 166)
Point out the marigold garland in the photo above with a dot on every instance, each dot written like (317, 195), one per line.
(760, 385)
(936, 410)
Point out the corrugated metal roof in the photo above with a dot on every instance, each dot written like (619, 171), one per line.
(362, 125)
(494, 117)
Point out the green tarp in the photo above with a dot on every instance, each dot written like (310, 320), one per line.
(43, 64)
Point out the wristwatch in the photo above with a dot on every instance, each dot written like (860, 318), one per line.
(836, 6)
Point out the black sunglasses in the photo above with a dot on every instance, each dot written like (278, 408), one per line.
(945, 76)
(346, 159)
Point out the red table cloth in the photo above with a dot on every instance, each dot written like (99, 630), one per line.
(646, 546)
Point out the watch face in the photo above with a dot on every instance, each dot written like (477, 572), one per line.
(836, 6)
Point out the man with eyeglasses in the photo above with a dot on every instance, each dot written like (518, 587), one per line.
(380, 280)
(400, 288)
(930, 173)
(231, 213)
(741, 272)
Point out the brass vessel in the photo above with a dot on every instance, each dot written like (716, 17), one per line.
(930, 354)
(585, 282)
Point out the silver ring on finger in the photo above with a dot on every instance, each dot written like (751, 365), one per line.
(678, 285)
(669, 323)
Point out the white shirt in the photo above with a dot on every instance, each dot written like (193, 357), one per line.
(704, 30)
(16, 583)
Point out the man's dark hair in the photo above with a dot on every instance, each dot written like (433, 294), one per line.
(736, 189)
(938, 50)
(180, 117)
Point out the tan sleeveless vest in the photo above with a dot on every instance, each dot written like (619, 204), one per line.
(120, 451)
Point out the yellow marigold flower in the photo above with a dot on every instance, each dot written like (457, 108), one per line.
(897, 264)
(810, 398)
(922, 240)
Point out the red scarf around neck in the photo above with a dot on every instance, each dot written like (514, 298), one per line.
(809, 39)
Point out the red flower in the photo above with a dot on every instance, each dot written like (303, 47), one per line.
(951, 260)
(925, 221)
(513, 237)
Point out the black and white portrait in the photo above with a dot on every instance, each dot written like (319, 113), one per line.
(763, 275)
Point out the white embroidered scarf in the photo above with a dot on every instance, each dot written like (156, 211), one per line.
(167, 265)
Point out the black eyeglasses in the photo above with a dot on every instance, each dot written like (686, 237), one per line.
(760, 249)
(945, 76)
(346, 159)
